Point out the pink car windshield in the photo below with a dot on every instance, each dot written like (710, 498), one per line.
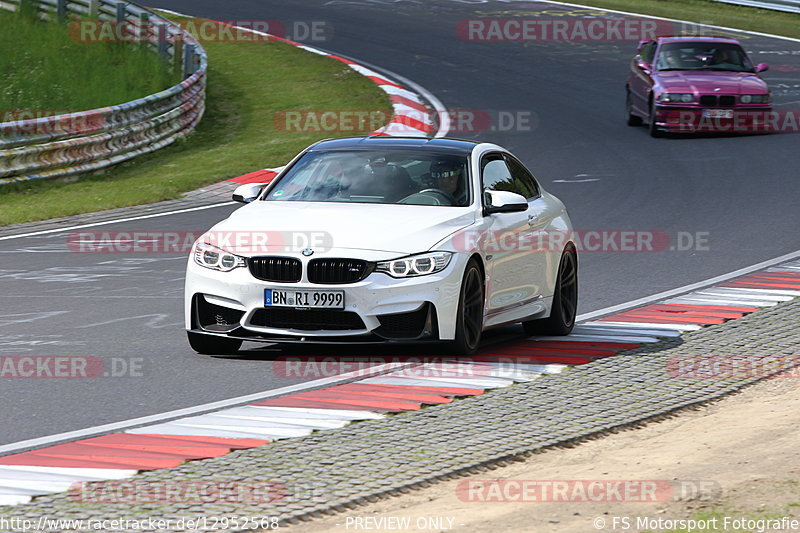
(703, 56)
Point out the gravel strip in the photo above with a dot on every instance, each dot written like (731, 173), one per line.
(363, 462)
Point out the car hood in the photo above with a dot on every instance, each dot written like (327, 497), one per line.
(706, 82)
(289, 227)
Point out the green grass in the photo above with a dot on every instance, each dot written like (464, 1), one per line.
(709, 12)
(43, 68)
(248, 83)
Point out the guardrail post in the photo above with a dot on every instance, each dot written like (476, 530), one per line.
(94, 9)
(161, 40)
(27, 8)
(61, 11)
(177, 52)
(143, 34)
(122, 11)
(188, 60)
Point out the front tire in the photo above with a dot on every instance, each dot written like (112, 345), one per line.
(655, 132)
(213, 345)
(633, 120)
(565, 300)
(469, 317)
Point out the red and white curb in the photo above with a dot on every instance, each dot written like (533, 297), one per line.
(259, 176)
(412, 118)
(120, 455)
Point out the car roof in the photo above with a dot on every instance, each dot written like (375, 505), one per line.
(376, 142)
(696, 39)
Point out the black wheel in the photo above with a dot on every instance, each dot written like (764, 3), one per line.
(654, 131)
(469, 318)
(213, 345)
(633, 120)
(565, 300)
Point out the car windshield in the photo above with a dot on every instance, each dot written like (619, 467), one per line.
(376, 177)
(703, 56)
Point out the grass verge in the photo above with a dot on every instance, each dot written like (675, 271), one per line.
(248, 84)
(44, 68)
(710, 12)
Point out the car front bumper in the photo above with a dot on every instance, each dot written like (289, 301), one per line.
(379, 308)
(684, 119)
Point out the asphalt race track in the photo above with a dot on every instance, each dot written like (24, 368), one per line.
(738, 192)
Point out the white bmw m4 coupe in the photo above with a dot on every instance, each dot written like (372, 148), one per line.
(385, 239)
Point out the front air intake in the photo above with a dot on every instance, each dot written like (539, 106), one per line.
(278, 269)
(307, 319)
(335, 271)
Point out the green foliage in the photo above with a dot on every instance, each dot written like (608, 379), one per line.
(44, 67)
(250, 84)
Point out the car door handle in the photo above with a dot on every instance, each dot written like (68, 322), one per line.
(531, 220)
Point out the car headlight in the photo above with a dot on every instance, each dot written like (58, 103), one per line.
(684, 98)
(415, 265)
(210, 256)
(754, 98)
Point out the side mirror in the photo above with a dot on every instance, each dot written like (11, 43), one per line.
(761, 67)
(503, 202)
(248, 192)
(644, 65)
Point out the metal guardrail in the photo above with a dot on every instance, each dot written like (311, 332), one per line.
(69, 144)
(791, 6)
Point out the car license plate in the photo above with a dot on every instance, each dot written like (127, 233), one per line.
(718, 113)
(310, 299)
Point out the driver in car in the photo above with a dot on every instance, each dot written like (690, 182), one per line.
(671, 58)
(448, 177)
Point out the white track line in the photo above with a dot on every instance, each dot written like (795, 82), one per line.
(115, 221)
(20, 446)
(691, 287)
(723, 303)
(644, 324)
(735, 294)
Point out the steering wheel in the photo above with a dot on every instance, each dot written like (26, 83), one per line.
(439, 192)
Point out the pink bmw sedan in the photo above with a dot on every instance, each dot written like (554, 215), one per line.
(696, 84)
